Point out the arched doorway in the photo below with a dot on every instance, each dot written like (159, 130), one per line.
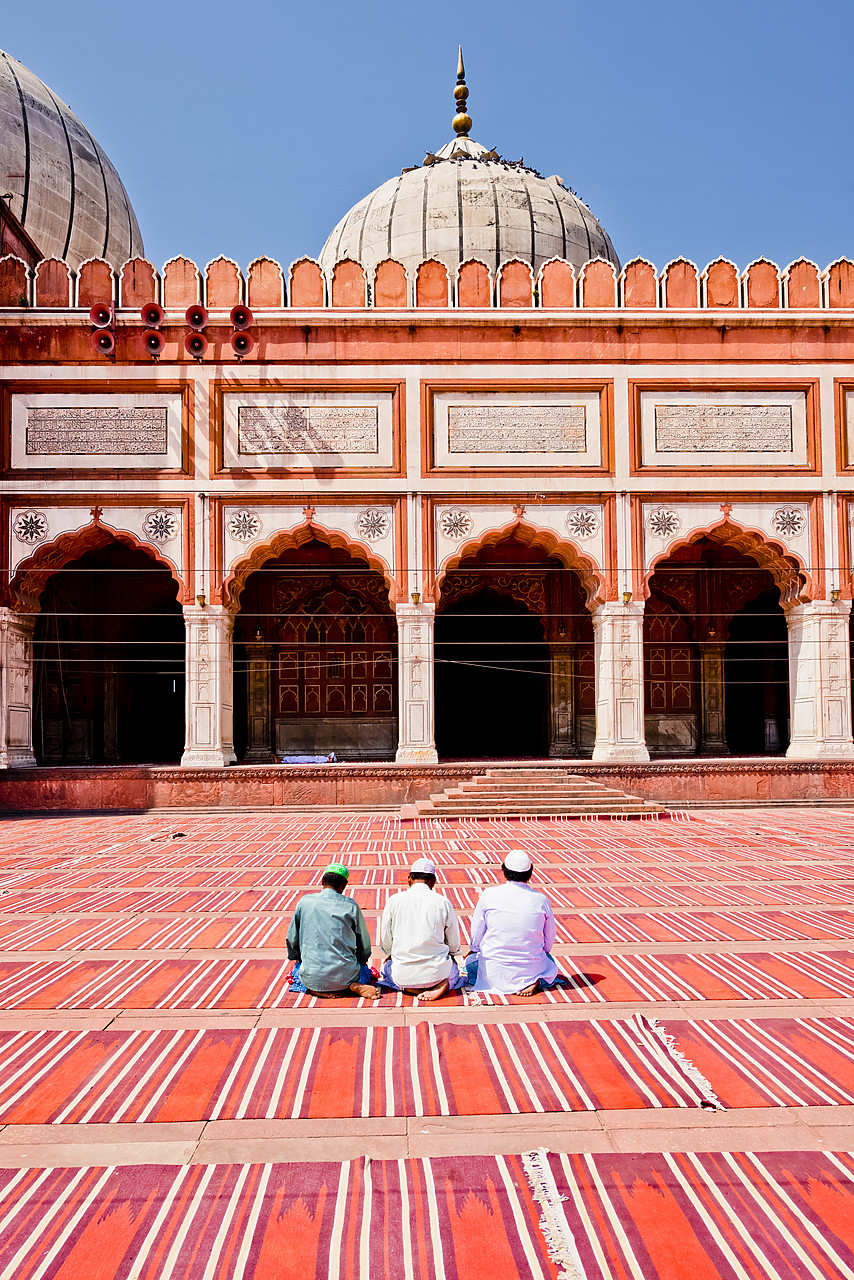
(315, 659)
(513, 658)
(715, 655)
(109, 662)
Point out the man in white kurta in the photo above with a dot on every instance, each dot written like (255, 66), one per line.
(421, 937)
(512, 932)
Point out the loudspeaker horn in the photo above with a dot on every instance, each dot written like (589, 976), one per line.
(242, 343)
(153, 315)
(104, 341)
(196, 344)
(101, 315)
(241, 317)
(154, 342)
(196, 317)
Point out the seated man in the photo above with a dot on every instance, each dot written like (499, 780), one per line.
(512, 930)
(421, 938)
(330, 940)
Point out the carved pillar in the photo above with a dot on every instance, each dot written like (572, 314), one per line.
(16, 689)
(713, 712)
(618, 653)
(416, 742)
(562, 741)
(209, 739)
(259, 704)
(819, 681)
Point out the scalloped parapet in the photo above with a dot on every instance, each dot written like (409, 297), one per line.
(14, 282)
(720, 281)
(595, 286)
(391, 287)
(349, 286)
(182, 284)
(680, 285)
(762, 284)
(431, 284)
(223, 284)
(139, 283)
(96, 282)
(474, 284)
(515, 285)
(307, 289)
(54, 283)
(265, 284)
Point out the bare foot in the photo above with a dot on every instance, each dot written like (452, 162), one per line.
(434, 993)
(530, 991)
(366, 992)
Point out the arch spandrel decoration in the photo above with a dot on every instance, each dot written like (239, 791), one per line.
(788, 571)
(563, 549)
(292, 540)
(32, 575)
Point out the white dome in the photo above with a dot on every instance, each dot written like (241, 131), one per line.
(467, 202)
(60, 185)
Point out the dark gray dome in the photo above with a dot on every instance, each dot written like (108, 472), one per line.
(466, 202)
(62, 187)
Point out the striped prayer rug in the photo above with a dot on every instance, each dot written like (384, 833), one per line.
(780, 1216)
(429, 1069)
(240, 983)
(776, 1062)
(463, 1219)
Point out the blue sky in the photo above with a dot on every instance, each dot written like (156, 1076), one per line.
(251, 128)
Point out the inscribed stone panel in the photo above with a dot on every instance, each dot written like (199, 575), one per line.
(92, 430)
(724, 428)
(88, 430)
(307, 429)
(523, 428)
(516, 429)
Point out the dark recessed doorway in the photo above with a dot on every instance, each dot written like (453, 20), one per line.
(756, 677)
(492, 680)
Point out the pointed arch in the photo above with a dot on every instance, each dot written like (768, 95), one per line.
(32, 575)
(786, 568)
(592, 580)
(292, 540)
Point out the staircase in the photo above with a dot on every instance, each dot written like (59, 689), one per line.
(534, 792)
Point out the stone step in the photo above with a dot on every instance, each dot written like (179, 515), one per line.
(534, 792)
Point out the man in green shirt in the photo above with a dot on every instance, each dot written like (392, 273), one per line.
(329, 940)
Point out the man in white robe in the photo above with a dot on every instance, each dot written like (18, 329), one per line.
(421, 937)
(512, 933)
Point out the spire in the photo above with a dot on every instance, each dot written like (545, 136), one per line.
(461, 122)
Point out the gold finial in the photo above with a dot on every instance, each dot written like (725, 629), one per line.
(461, 121)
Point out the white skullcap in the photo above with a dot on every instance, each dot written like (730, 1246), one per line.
(518, 860)
(423, 867)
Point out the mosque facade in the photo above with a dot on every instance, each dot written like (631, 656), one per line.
(463, 487)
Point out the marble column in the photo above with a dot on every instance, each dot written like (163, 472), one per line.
(562, 742)
(819, 681)
(416, 742)
(209, 728)
(618, 653)
(713, 714)
(16, 689)
(259, 704)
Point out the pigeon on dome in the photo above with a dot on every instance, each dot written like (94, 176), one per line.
(465, 201)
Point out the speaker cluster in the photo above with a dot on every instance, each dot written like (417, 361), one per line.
(102, 317)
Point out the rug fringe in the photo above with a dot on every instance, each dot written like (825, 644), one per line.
(669, 1043)
(553, 1224)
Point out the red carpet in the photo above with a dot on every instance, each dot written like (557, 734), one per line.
(780, 1216)
(427, 1070)
(383, 1220)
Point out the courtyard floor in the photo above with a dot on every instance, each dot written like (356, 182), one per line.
(683, 1108)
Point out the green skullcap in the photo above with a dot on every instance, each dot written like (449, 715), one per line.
(337, 869)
